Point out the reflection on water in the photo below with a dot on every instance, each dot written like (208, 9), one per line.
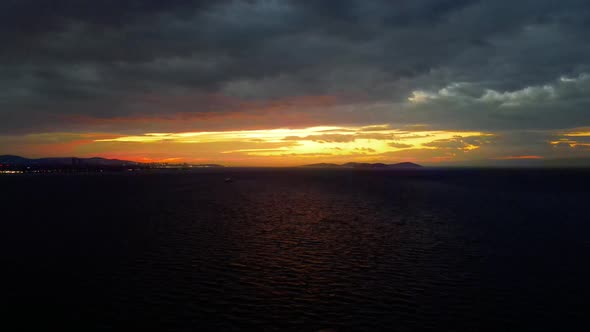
(299, 249)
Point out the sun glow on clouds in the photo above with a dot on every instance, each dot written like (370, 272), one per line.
(575, 139)
(322, 142)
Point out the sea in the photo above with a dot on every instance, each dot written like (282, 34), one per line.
(297, 249)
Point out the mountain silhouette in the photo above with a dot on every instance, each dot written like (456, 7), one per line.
(66, 161)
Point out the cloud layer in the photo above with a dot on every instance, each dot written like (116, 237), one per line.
(517, 69)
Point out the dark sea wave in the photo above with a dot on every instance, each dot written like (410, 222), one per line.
(302, 250)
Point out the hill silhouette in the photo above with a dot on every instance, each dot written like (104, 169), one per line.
(65, 161)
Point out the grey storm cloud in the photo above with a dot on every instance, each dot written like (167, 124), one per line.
(561, 103)
(92, 58)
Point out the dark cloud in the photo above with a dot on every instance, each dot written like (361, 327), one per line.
(472, 58)
(557, 104)
(365, 150)
(460, 143)
(400, 145)
(38, 17)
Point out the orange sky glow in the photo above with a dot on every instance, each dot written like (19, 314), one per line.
(271, 147)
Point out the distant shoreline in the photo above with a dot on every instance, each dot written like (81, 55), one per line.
(402, 165)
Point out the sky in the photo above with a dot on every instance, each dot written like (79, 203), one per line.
(291, 82)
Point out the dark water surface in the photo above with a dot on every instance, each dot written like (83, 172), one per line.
(303, 250)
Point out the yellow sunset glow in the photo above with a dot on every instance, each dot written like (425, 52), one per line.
(364, 143)
(570, 143)
(578, 134)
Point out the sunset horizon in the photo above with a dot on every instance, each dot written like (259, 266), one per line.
(295, 165)
(376, 143)
(82, 84)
